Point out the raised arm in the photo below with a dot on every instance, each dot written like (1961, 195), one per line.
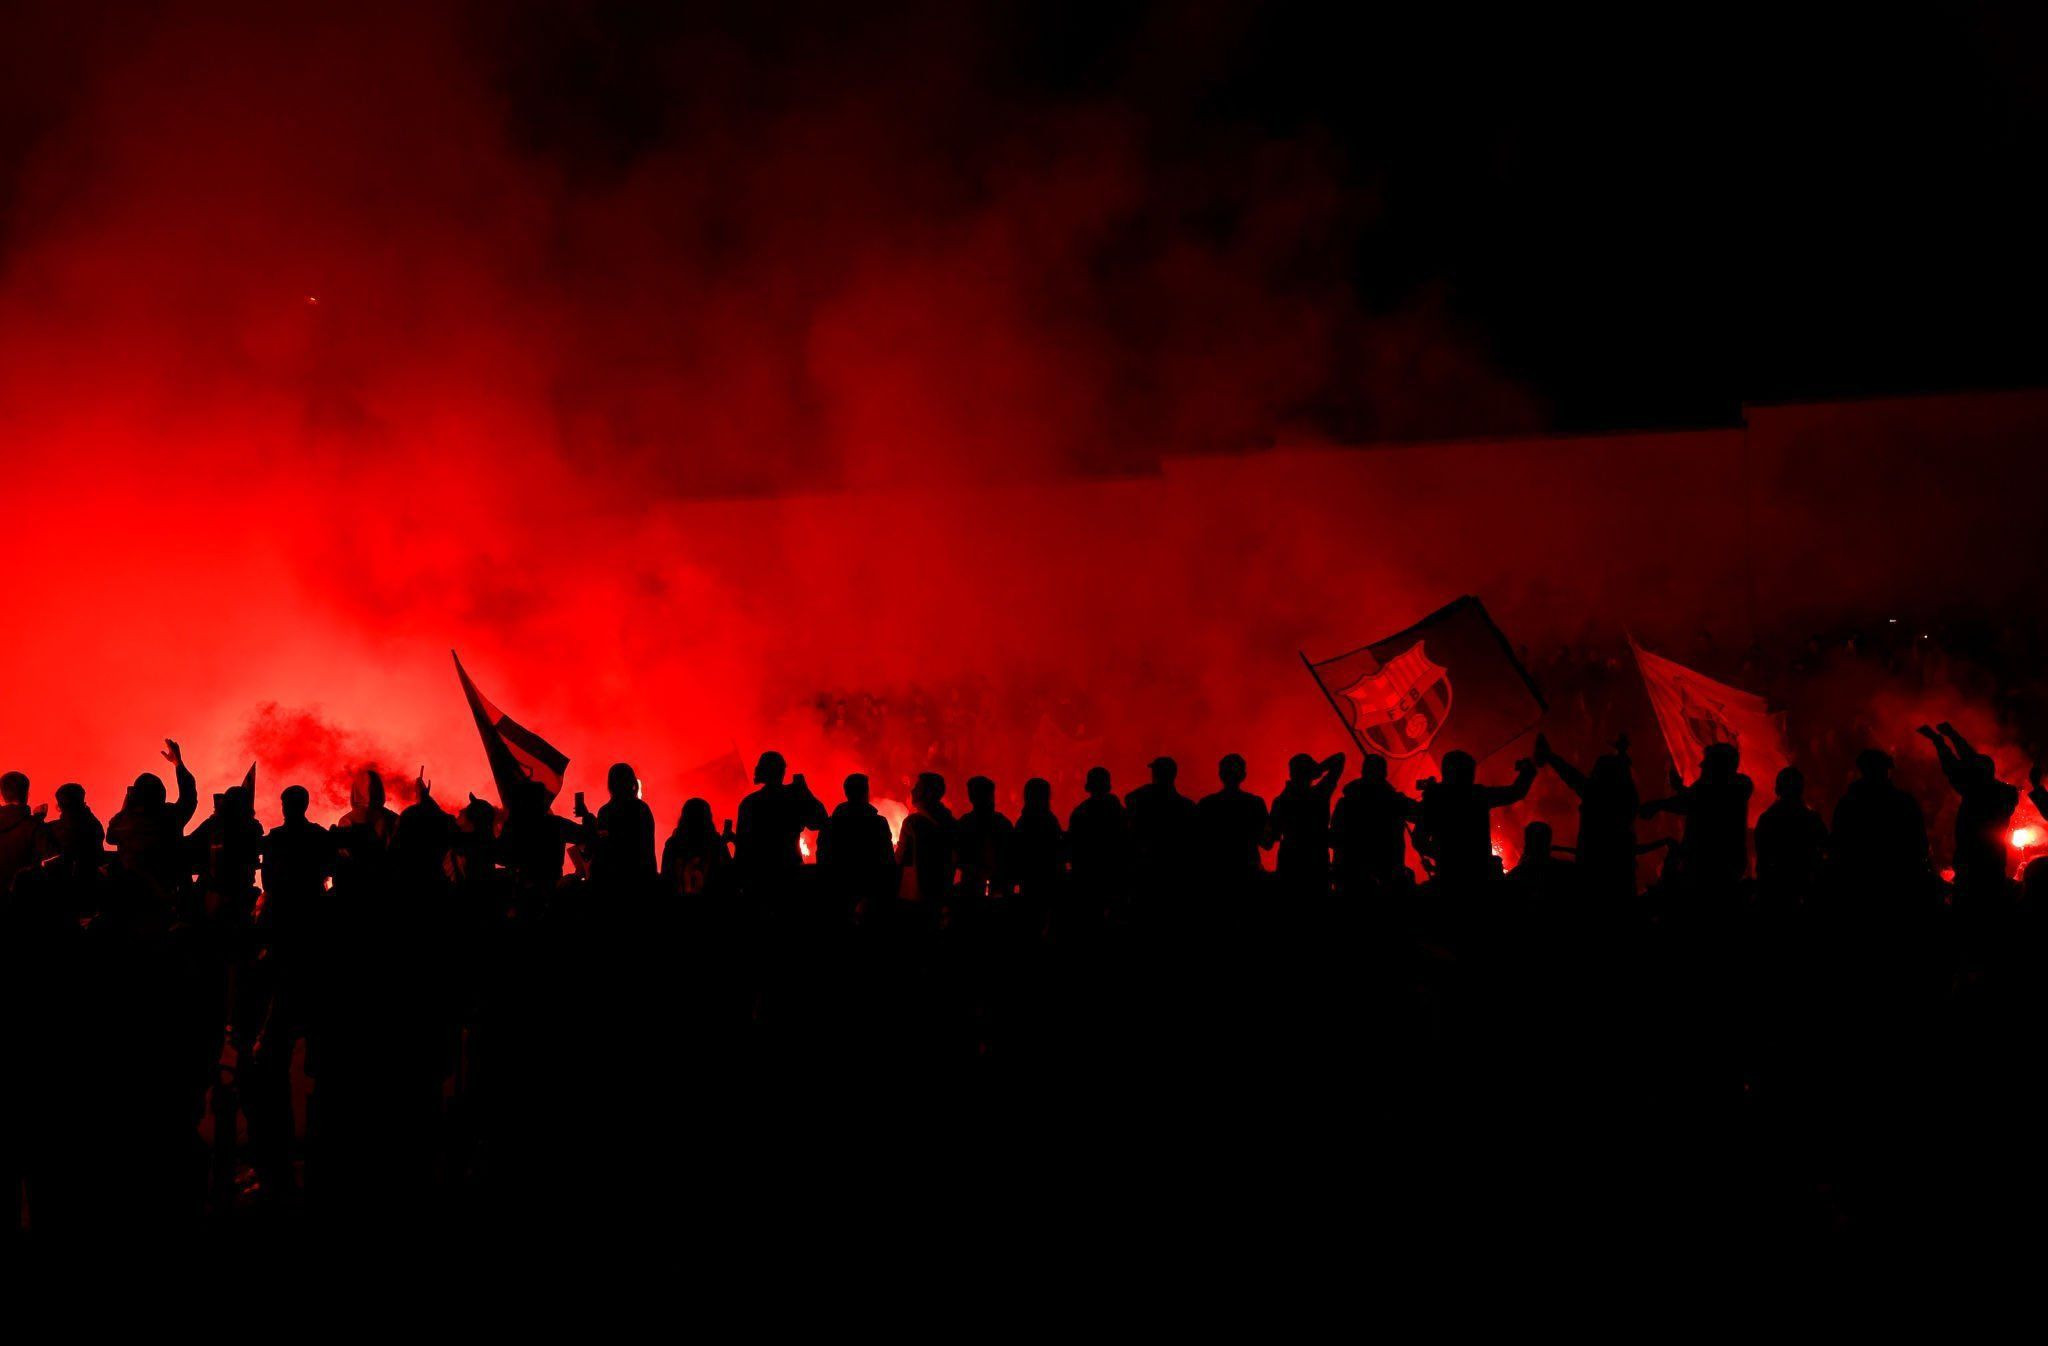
(1574, 779)
(1330, 769)
(187, 801)
(1500, 796)
(1950, 763)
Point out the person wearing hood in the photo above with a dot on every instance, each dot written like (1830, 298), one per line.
(696, 858)
(80, 836)
(620, 835)
(148, 833)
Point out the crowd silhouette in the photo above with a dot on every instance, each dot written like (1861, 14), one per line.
(1160, 1002)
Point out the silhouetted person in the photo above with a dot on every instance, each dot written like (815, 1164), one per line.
(148, 833)
(1039, 846)
(772, 821)
(298, 858)
(25, 842)
(1098, 842)
(1606, 851)
(1714, 848)
(1300, 823)
(855, 849)
(1456, 827)
(620, 836)
(696, 857)
(1162, 823)
(226, 848)
(925, 848)
(367, 822)
(80, 837)
(1984, 809)
(983, 842)
(423, 837)
(1231, 823)
(1879, 837)
(1791, 840)
(1369, 831)
(1539, 872)
(532, 838)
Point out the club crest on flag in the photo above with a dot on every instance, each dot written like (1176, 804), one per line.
(1400, 706)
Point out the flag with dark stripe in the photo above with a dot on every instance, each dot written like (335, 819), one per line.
(516, 753)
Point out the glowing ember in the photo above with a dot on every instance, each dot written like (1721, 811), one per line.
(803, 846)
(2025, 838)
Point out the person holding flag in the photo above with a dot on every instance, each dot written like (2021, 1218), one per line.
(528, 771)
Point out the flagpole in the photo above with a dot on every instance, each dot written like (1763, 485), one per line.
(1339, 710)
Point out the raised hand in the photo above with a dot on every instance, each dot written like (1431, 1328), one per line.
(173, 753)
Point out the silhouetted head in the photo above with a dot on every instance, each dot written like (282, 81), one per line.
(236, 803)
(1231, 770)
(928, 790)
(857, 788)
(1791, 786)
(696, 820)
(147, 792)
(1979, 768)
(366, 793)
(530, 796)
(1874, 764)
(981, 793)
(13, 788)
(1164, 770)
(1459, 767)
(1301, 767)
(479, 816)
(295, 801)
(1719, 762)
(1097, 782)
(1373, 770)
(770, 769)
(1038, 793)
(1536, 839)
(2034, 881)
(70, 797)
(622, 782)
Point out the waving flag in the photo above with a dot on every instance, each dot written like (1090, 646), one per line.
(1693, 711)
(516, 753)
(1447, 683)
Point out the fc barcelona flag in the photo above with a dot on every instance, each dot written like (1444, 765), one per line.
(1447, 683)
(1693, 711)
(516, 753)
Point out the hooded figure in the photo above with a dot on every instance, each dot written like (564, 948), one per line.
(148, 833)
(80, 836)
(367, 817)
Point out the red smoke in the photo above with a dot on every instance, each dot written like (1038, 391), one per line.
(838, 368)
